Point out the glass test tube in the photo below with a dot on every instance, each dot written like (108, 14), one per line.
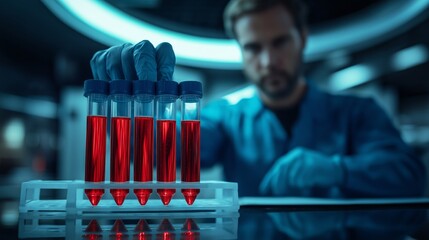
(190, 94)
(166, 136)
(120, 95)
(95, 153)
(144, 92)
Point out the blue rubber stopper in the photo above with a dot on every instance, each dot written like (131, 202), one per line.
(144, 87)
(91, 86)
(191, 88)
(167, 88)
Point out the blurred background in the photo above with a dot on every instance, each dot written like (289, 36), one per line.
(377, 48)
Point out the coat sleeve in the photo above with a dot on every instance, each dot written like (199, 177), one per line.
(381, 165)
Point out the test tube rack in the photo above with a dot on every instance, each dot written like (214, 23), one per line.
(69, 197)
(204, 225)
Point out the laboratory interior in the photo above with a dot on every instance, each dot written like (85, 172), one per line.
(346, 158)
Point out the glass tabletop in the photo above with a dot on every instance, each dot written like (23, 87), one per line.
(311, 221)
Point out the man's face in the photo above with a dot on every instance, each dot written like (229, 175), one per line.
(272, 50)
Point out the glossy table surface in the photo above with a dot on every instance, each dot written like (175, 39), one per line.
(256, 219)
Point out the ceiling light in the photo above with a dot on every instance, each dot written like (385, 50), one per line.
(409, 57)
(111, 26)
(351, 77)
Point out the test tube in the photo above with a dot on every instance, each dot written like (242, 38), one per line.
(96, 92)
(167, 92)
(144, 95)
(120, 96)
(190, 94)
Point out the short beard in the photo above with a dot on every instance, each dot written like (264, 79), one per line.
(292, 82)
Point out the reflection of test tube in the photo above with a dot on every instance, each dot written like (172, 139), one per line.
(144, 92)
(165, 231)
(95, 153)
(190, 230)
(143, 231)
(93, 231)
(190, 94)
(119, 230)
(166, 136)
(120, 95)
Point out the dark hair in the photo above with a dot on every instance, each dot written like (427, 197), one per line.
(237, 8)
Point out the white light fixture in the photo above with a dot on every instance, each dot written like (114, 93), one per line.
(410, 57)
(351, 77)
(14, 133)
(236, 96)
(35, 107)
(109, 25)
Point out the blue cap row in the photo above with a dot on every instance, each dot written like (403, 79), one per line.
(142, 87)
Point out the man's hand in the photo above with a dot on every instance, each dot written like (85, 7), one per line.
(302, 168)
(134, 62)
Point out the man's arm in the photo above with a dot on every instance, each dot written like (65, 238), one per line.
(379, 163)
(383, 165)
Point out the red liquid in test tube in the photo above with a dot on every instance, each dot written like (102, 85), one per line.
(143, 155)
(166, 157)
(95, 155)
(167, 92)
(190, 157)
(96, 91)
(190, 95)
(120, 156)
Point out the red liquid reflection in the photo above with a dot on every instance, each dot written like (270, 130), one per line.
(166, 157)
(166, 231)
(95, 155)
(120, 156)
(143, 231)
(190, 230)
(190, 157)
(143, 155)
(93, 231)
(119, 231)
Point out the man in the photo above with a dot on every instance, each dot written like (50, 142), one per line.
(290, 139)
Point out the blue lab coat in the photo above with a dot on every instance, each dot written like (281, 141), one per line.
(247, 138)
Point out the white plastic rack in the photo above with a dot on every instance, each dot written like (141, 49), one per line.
(69, 197)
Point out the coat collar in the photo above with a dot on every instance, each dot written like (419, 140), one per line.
(312, 113)
(311, 104)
